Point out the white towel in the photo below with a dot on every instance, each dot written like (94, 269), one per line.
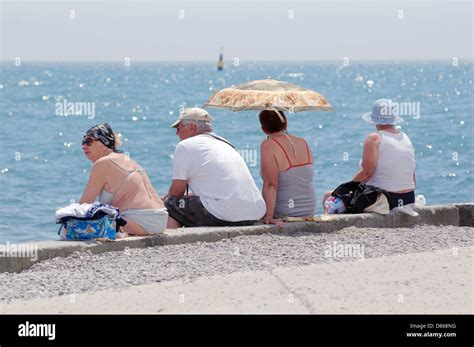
(83, 210)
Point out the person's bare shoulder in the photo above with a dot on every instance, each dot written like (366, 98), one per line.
(102, 163)
(374, 138)
(266, 144)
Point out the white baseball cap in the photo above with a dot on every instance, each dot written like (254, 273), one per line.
(193, 113)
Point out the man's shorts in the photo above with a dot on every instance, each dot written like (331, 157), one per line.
(400, 199)
(190, 212)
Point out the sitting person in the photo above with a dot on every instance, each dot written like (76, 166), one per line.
(117, 180)
(223, 191)
(287, 171)
(388, 160)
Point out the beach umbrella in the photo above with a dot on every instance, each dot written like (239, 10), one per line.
(268, 94)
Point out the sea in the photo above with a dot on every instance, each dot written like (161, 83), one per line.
(45, 108)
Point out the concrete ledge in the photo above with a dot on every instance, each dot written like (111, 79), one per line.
(458, 214)
(466, 214)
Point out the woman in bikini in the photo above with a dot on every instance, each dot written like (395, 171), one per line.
(119, 181)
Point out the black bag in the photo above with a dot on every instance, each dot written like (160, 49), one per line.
(357, 196)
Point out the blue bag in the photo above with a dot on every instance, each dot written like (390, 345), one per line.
(73, 228)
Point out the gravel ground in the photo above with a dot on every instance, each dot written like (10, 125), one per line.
(83, 272)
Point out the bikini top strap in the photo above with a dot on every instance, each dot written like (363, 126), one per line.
(121, 168)
(291, 143)
(129, 174)
(286, 154)
(307, 151)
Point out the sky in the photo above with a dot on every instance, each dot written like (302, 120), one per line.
(66, 31)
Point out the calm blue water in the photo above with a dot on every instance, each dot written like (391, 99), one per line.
(42, 166)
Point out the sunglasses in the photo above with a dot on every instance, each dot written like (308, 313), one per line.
(179, 127)
(87, 141)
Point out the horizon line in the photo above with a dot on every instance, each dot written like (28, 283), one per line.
(332, 61)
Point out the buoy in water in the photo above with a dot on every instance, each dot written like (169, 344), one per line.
(220, 63)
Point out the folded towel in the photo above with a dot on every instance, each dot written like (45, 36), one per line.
(86, 211)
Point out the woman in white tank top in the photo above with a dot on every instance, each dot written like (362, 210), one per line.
(388, 160)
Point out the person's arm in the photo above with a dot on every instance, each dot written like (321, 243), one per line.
(270, 181)
(178, 188)
(181, 163)
(96, 182)
(369, 158)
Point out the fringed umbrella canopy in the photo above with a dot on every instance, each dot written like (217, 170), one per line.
(268, 94)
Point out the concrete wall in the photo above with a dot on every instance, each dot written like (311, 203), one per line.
(456, 214)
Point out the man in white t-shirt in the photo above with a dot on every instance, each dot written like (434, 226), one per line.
(223, 191)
